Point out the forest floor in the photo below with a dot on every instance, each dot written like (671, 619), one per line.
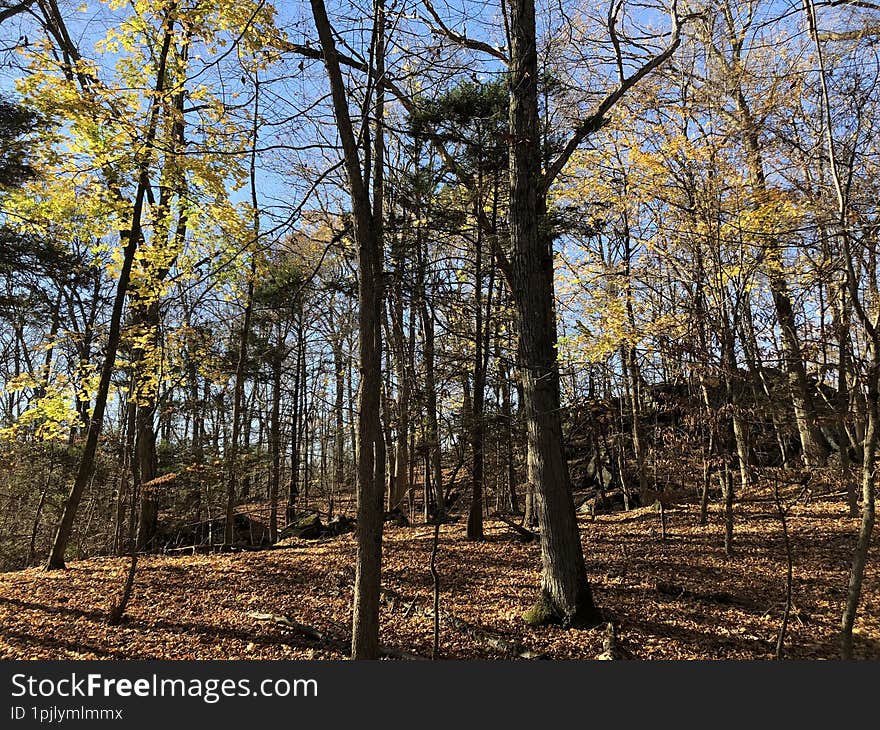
(678, 598)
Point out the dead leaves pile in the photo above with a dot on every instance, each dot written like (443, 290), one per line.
(678, 598)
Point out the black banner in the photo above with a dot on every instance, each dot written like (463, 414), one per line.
(159, 695)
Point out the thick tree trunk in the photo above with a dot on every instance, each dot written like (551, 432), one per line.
(143, 399)
(147, 317)
(566, 594)
(475, 514)
(146, 471)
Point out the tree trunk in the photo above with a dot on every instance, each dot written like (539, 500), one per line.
(339, 416)
(507, 413)
(860, 555)
(566, 593)
(295, 429)
(368, 236)
(727, 494)
(813, 441)
(432, 445)
(133, 238)
(475, 514)
(275, 437)
(238, 406)
(400, 485)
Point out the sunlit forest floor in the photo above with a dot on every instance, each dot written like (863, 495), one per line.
(678, 598)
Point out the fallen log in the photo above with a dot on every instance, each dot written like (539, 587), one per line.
(491, 638)
(679, 592)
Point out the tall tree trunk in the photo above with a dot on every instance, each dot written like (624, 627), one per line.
(400, 485)
(368, 236)
(815, 445)
(432, 442)
(632, 372)
(566, 593)
(475, 514)
(296, 419)
(842, 332)
(147, 359)
(146, 471)
(869, 462)
(238, 408)
(275, 436)
(339, 431)
(629, 357)
(510, 502)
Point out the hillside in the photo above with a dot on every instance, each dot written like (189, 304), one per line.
(678, 598)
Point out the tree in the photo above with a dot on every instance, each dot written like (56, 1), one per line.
(367, 218)
(128, 151)
(871, 325)
(566, 593)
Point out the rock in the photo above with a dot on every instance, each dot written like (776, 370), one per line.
(397, 517)
(306, 528)
(588, 507)
(597, 473)
(612, 501)
(339, 525)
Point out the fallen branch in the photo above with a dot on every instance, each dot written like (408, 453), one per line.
(491, 638)
(525, 534)
(485, 636)
(332, 642)
(219, 548)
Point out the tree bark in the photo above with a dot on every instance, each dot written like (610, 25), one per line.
(238, 407)
(860, 554)
(275, 436)
(368, 236)
(475, 514)
(566, 593)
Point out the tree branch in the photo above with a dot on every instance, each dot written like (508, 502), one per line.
(445, 31)
(597, 119)
(10, 11)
